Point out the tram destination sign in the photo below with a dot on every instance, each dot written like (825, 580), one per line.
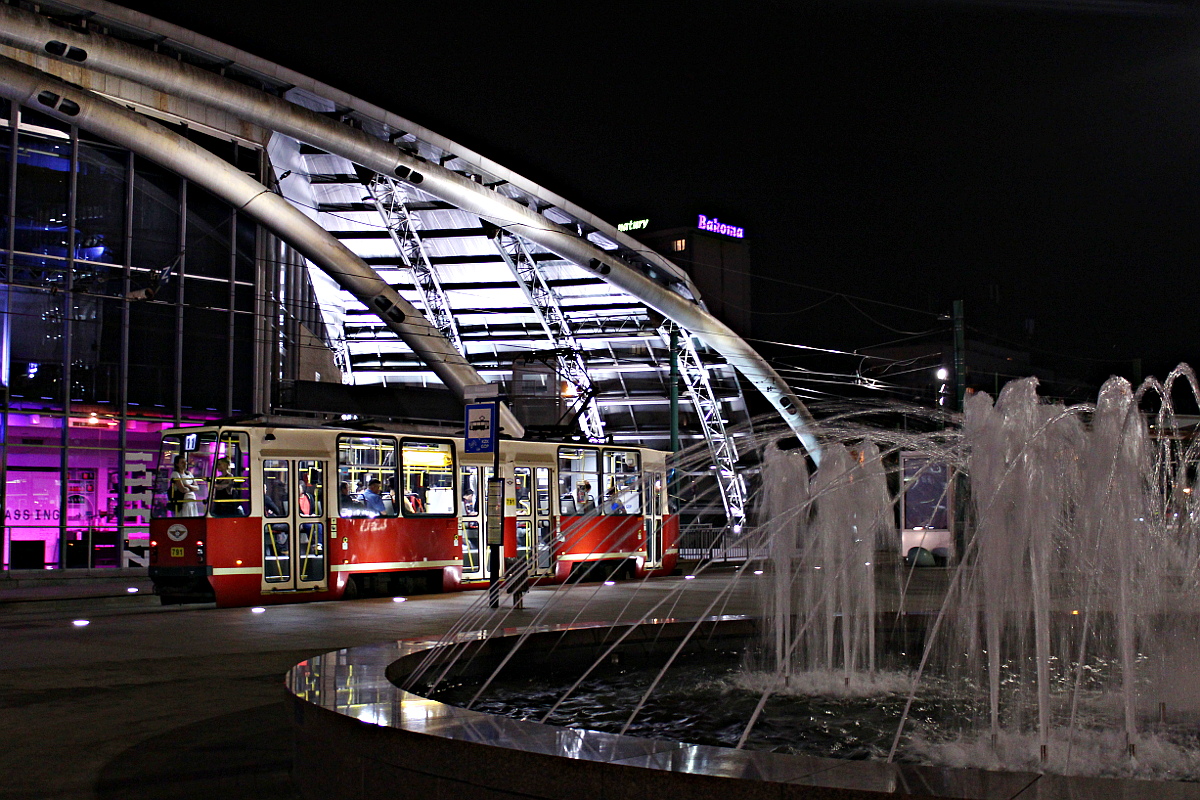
(481, 428)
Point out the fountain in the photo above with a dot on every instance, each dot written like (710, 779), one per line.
(1067, 634)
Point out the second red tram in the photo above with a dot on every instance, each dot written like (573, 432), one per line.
(258, 514)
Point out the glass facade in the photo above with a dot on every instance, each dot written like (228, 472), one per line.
(129, 300)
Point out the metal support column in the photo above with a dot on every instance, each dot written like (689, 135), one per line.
(708, 409)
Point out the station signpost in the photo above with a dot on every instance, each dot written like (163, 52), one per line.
(482, 426)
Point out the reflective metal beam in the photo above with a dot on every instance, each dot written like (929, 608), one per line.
(75, 106)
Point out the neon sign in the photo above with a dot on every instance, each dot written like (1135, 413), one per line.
(715, 225)
(633, 225)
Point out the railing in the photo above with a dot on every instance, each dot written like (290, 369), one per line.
(714, 543)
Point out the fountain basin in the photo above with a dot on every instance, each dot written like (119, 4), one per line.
(358, 735)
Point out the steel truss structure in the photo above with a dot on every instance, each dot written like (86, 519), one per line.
(546, 304)
(721, 446)
(388, 194)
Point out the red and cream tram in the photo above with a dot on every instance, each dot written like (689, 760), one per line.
(259, 514)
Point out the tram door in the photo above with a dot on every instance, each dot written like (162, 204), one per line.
(295, 525)
(654, 519)
(535, 523)
(473, 521)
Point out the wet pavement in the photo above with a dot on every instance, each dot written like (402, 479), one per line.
(148, 701)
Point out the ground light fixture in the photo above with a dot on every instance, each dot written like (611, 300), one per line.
(257, 610)
(81, 623)
(399, 599)
(132, 590)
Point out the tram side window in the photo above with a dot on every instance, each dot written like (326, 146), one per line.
(180, 482)
(230, 495)
(469, 481)
(622, 482)
(276, 481)
(522, 488)
(310, 489)
(366, 476)
(578, 480)
(542, 491)
(427, 472)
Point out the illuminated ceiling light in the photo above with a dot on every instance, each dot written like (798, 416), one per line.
(426, 458)
(942, 374)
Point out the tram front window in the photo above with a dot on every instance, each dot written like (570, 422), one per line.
(181, 481)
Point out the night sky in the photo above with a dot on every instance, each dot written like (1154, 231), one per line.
(1038, 160)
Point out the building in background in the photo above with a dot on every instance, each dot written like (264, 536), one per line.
(717, 257)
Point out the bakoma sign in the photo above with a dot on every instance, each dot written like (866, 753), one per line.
(715, 225)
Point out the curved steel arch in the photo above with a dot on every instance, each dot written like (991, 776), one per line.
(75, 106)
(33, 33)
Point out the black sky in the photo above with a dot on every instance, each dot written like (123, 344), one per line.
(1039, 160)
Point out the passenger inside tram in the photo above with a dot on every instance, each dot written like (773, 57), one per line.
(373, 499)
(274, 498)
(185, 488)
(612, 502)
(348, 505)
(585, 503)
(227, 491)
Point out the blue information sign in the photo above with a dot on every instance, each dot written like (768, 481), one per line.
(481, 428)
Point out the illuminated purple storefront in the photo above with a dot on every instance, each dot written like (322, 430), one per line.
(93, 365)
(94, 528)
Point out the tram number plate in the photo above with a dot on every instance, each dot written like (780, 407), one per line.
(176, 552)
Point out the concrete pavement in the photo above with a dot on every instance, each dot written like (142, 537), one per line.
(186, 702)
(180, 702)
